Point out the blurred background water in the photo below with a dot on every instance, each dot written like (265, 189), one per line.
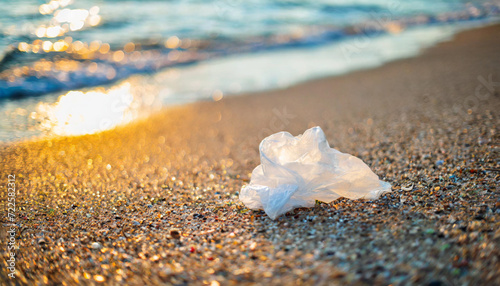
(71, 67)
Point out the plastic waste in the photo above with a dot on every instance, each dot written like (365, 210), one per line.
(296, 171)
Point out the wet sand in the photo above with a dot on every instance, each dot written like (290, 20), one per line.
(157, 201)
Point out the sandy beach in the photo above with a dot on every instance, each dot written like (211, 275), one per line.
(156, 201)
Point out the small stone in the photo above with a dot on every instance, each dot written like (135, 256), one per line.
(136, 223)
(429, 231)
(99, 278)
(175, 234)
(407, 188)
(253, 245)
(96, 245)
(330, 253)
(445, 247)
(199, 216)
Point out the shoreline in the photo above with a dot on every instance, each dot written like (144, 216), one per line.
(156, 201)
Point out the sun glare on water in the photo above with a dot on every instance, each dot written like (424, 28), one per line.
(79, 113)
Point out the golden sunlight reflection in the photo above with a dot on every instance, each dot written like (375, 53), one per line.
(78, 54)
(65, 20)
(79, 113)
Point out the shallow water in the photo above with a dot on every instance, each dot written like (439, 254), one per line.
(184, 51)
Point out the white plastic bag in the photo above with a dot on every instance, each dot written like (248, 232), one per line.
(297, 171)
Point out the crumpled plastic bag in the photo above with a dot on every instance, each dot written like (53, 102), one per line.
(296, 171)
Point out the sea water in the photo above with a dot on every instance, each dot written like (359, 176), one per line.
(72, 67)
